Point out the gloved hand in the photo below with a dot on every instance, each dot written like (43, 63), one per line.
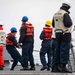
(19, 46)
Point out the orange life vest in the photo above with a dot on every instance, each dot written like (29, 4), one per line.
(47, 33)
(29, 30)
(8, 42)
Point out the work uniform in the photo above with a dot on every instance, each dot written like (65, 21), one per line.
(11, 44)
(2, 42)
(62, 24)
(27, 40)
(45, 36)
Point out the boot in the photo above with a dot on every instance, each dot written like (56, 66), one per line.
(25, 68)
(44, 67)
(55, 68)
(12, 68)
(64, 69)
(1, 68)
(52, 68)
(48, 69)
(32, 68)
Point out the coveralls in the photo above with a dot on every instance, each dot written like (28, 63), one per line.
(45, 49)
(27, 41)
(11, 44)
(62, 25)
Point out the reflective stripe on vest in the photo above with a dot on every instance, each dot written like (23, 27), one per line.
(47, 33)
(59, 25)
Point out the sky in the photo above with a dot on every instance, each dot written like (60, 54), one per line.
(38, 11)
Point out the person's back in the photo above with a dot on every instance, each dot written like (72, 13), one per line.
(27, 40)
(45, 36)
(26, 33)
(62, 24)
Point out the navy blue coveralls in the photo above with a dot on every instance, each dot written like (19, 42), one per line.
(63, 41)
(53, 47)
(27, 47)
(13, 52)
(45, 49)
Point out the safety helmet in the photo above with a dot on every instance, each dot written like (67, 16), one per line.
(24, 18)
(48, 22)
(1, 24)
(13, 29)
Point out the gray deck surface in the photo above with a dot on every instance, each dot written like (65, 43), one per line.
(17, 71)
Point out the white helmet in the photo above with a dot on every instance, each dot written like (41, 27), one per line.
(66, 2)
(1, 23)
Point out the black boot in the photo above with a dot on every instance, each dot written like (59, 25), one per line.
(48, 69)
(44, 67)
(25, 68)
(1, 68)
(52, 68)
(64, 69)
(12, 68)
(32, 68)
(55, 68)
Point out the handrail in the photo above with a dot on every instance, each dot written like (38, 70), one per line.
(72, 63)
(36, 50)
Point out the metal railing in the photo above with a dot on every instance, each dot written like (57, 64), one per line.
(71, 63)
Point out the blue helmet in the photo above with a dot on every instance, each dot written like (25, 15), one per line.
(24, 18)
(13, 29)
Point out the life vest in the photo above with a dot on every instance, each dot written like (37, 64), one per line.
(29, 30)
(47, 33)
(59, 25)
(9, 42)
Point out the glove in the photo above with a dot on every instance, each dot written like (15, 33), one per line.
(19, 46)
